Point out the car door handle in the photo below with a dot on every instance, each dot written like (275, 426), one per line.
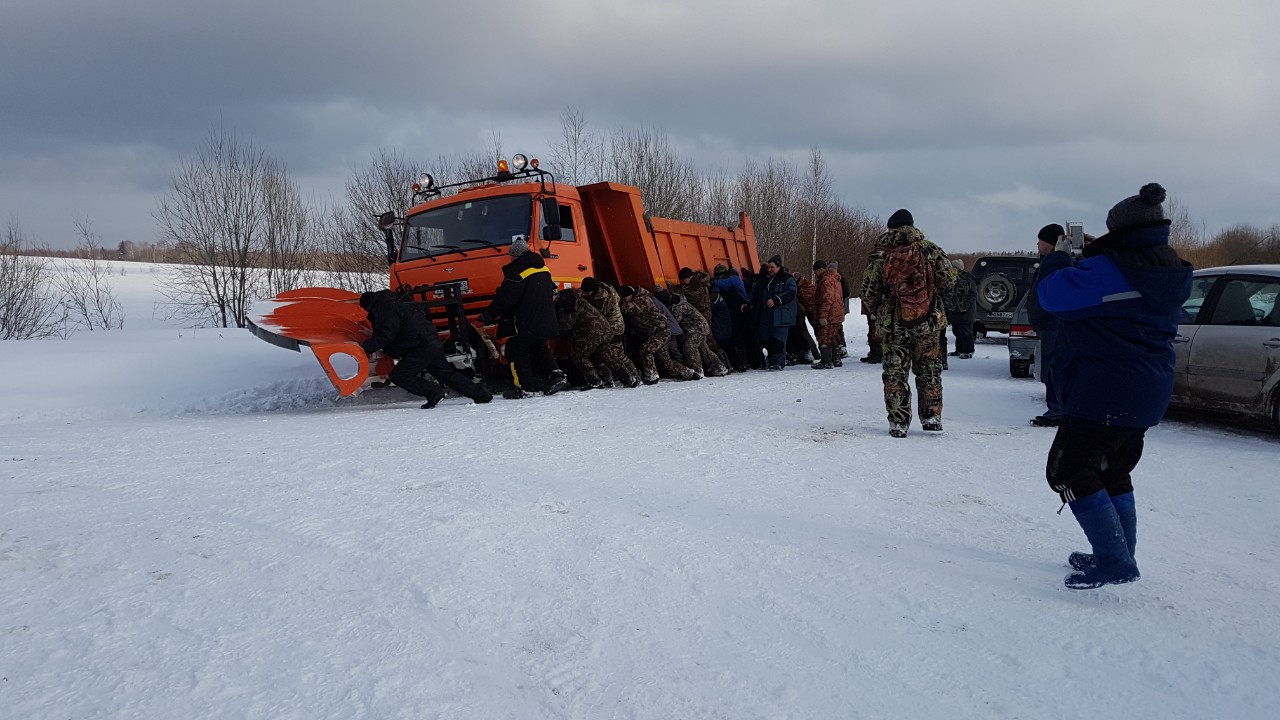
(1181, 338)
(1272, 343)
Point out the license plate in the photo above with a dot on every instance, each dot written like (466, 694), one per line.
(1000, 315)
(464, 288)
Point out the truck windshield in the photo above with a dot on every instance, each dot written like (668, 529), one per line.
(467, 225)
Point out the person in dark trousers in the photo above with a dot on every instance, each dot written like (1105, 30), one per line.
(401, 331)
(1046, 327)
(962, 311)
(746, 348)
(775, 308)
(525, 309)
(1119, 308)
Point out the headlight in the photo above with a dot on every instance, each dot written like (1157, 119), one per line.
(519, 162)
(425, 182)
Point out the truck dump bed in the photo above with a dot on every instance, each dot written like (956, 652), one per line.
(628, 251)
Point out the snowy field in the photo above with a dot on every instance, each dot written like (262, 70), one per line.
(193, 526)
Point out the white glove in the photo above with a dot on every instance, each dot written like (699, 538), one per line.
(1063, 244)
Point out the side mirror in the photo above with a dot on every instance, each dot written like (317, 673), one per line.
(551, 232)
(550, 211)
(386, 223)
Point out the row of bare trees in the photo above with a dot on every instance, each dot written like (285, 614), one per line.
(41, 297)
(793, 207)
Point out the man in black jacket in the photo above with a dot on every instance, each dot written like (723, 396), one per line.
(525, 309)
(402, 332)
(1046, 326)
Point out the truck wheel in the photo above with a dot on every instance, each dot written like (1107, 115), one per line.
(1020, 368)
(996, 292)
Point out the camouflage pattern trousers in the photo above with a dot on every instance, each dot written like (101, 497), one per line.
(908, 350)
(653, 355)
(699, 355)
(602, 360)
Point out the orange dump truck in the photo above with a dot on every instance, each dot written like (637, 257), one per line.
(448, 251)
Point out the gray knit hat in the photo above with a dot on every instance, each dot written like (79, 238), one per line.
(1138, 209)
(519, 246)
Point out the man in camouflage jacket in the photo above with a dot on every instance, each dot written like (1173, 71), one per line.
(694, 347)
(591, 345)
(606, 300)
(908, 349)
(652, 331)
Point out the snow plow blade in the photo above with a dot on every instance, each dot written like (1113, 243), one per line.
(330, 321)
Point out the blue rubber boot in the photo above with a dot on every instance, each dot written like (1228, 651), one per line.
(1127, 510)
(1101, 524)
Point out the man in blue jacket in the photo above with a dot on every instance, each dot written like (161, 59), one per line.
(1119, 309)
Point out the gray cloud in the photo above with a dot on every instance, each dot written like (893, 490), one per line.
(986, 120)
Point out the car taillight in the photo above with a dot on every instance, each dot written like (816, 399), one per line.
(1025, 331)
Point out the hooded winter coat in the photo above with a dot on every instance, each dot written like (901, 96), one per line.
(397, 327)
(525, 301)
(1119, 308)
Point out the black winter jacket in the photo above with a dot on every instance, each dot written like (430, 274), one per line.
(397, 327)
(525, 302)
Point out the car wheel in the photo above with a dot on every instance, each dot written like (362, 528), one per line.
(1020, 368)
(996, 292)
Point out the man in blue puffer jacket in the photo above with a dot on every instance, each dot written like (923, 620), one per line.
(1119, 309)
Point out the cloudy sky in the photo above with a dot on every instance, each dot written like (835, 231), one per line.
(987, 119)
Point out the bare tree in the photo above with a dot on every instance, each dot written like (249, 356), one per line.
(288, 240)
(86, 286)
(29, 306)
(644, 157)
(769, 194)
(216, 216)
(576, 155)
(817, 192)
(354, 243)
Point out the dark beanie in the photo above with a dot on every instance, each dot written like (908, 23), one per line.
(663, 296)
(1050, 233)
(776, 260)
(1138, 209)
(721, 270)
(589, 284)
(626, 291)
(819, 265)
(685, 273)
(366, 299)
(900, 218)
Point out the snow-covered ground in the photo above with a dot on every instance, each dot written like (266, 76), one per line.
(192, 526)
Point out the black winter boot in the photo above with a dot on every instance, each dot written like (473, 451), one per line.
(826, 361)
(434, 394)
(876, 356)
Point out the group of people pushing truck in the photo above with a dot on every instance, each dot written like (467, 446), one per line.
(627, 335)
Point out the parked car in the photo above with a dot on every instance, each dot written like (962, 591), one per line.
(1003, 281)
(1228, 342)
(1024, 344)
